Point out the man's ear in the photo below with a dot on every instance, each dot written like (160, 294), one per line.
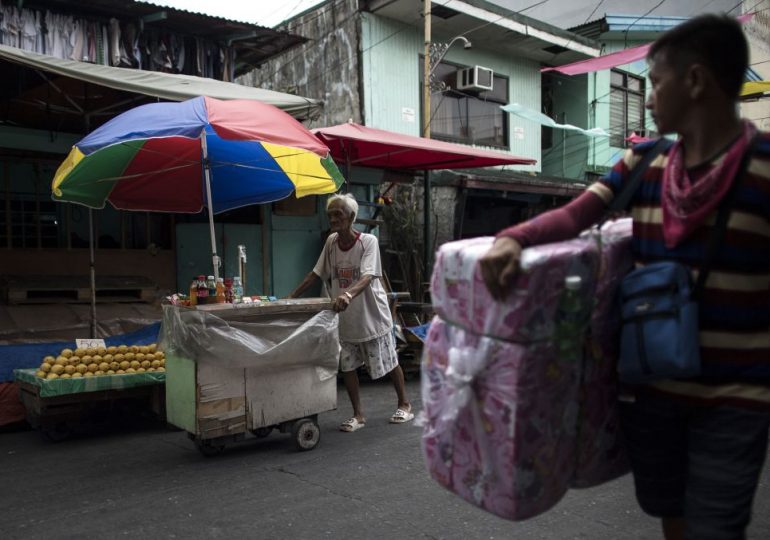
(697, 78)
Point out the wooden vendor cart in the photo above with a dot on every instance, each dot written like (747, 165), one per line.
(58, 407)
(232, 370)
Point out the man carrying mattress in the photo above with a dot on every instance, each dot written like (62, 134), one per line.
(696, 443)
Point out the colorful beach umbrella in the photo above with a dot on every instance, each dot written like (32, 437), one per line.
(180, 157)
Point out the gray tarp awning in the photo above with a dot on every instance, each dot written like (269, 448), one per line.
(169, 86)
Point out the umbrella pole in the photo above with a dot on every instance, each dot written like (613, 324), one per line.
(207, 175)
(93, 272)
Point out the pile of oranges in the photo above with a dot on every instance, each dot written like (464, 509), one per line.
(115, 360)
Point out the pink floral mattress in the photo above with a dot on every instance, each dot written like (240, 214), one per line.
(515, 413)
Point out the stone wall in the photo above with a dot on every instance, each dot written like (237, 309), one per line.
(326, 68)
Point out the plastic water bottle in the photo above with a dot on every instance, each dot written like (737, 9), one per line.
(237, 290)
(571, 318)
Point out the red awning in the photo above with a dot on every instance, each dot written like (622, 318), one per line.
(369, 147)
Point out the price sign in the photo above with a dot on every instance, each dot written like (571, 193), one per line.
(89, 343)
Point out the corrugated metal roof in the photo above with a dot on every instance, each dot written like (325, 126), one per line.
(621, 23)
(613, 22)
(197, 13)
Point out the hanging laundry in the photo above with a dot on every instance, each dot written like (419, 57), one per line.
(113, 43)
(77, 41)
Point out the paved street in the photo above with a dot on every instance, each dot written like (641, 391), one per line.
(147, 481)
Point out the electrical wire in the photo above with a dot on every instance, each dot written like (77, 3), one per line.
(594, 11)
(750, 10)
(653, 8)
(289, 13)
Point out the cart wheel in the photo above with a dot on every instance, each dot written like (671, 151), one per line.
(306, 434)
(261, 433)
(209, 449)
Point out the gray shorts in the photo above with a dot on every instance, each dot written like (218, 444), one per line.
(378, 355)
(700, 463)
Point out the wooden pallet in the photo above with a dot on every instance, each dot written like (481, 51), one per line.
(76, 289)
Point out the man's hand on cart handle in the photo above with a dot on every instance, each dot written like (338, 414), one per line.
(342, 302)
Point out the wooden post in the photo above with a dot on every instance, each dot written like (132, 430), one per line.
(92, 265)
(427, 252)
(38, 225)
(426, 133)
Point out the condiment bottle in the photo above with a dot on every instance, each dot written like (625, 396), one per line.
(220, 291)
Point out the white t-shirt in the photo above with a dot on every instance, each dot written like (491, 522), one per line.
(368, 315)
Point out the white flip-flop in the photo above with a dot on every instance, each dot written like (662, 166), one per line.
(351, 424)
(401, 416)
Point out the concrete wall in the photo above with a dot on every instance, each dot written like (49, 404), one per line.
(325, 68)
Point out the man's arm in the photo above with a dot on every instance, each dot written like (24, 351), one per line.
(501, 263)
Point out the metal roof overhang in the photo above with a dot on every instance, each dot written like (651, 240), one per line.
(253, 44)
(492, 27)
(362, 146)
(166, 86)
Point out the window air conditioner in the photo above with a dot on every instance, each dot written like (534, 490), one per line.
(475, 78)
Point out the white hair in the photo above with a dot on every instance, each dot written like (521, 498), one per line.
(347, 200)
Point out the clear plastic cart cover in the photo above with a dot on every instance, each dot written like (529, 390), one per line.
(268, 342)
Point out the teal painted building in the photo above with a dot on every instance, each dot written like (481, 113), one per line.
(365, 61)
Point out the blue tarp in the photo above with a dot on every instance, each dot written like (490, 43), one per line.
(29, 356)
(420, 331)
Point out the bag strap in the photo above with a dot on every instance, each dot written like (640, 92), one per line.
(621, 201)
(720, 226)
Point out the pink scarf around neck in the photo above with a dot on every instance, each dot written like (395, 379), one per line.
(686, 203)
